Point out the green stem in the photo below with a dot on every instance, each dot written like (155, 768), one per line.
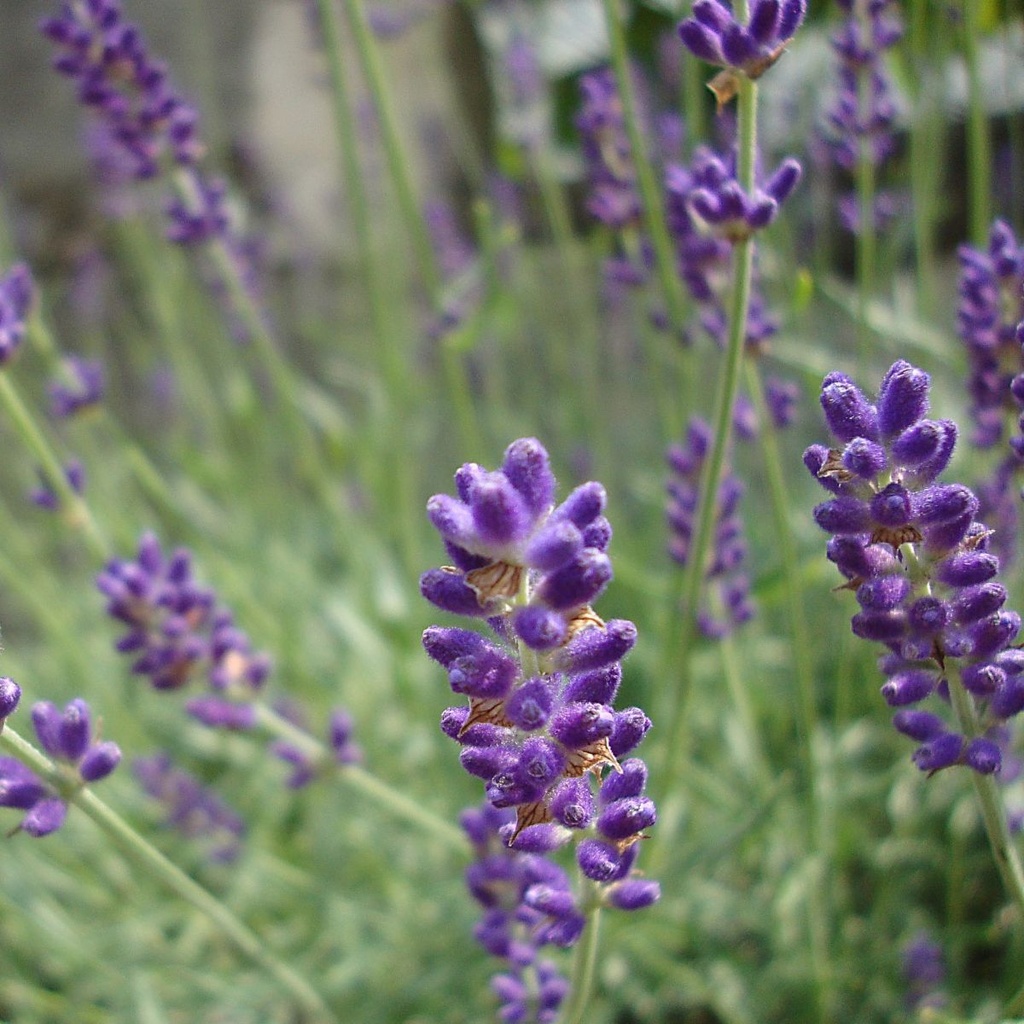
(171, 876)
(73, 506)
(989, 799)
(676, 662)
(383, 795)
(650, 192)
(978, 140)
(581, 982)
(398, 161)
(866, 242)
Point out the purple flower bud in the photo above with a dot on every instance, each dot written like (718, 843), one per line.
(540, 762)
(941, 752)
(919, 442)
(975, 603)
(10, 694)
(604, 862)
(44, 817)
(943, 503)
(982, 679)
(529, 707)
(594, 648)
(449, 591)
(19, 786)
(536, 838)
(967, 568)
(578, 583)
(628, 817)
(844, 515)
(583, 505)
(908, 687)
(902, 398)
(500, 515)
(1008, 701)
(633, 894)
(99, 761)
(983, 756)
(74, 730)
(918, 725)
(445, 644)
(864, 458)
(527, 468)
(892, 506)
(630, 782)
(847, 412)
(489, 674)
(631, 725)
(991, 635)
(553, 545)
(578, 725)
(572, 803)
(597, 687)
(884, 627)
(928, 615)
(46, 720)
(883, 593)
(486, 762)
(539, 627)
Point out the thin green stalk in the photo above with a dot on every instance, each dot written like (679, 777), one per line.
(867, 244)
(737, 682)
(73, 506)
(677, 653)
(171, 876)
(383, 796)
(581, 981)
(398, 161)
(654, 212)
(990, 801)
(979, 143)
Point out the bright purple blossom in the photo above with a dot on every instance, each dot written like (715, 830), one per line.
(940, 613)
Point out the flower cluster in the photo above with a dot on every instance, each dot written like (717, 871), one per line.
(612, 194)
(912, 550)
(191, 808)
(539, 726)
(714, 35)
(177, 632)
(17, 294)
(67, 736)
(176, 629)
(728, 594)
(106, 56)
(859, 123)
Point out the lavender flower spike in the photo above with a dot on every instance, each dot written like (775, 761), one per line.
(541, 729)
(939, 613)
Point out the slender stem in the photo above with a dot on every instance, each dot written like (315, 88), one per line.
(74, 507)
(676, 661)
(866, 242)
(584, 962)
(247, 941)
(398, 161)
(994, 816)
(654, 213)
(978, 140)
(384, 796)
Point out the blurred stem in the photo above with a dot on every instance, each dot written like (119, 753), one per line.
(992, 813)
(683, 607)
(398, 161)
(650, 190)
(72, 505)
(171, 876)
(382, 795)
(460, 392)
(581, 982)
(694, 97)
(736, 681)
(866, 241)
(979, 144)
